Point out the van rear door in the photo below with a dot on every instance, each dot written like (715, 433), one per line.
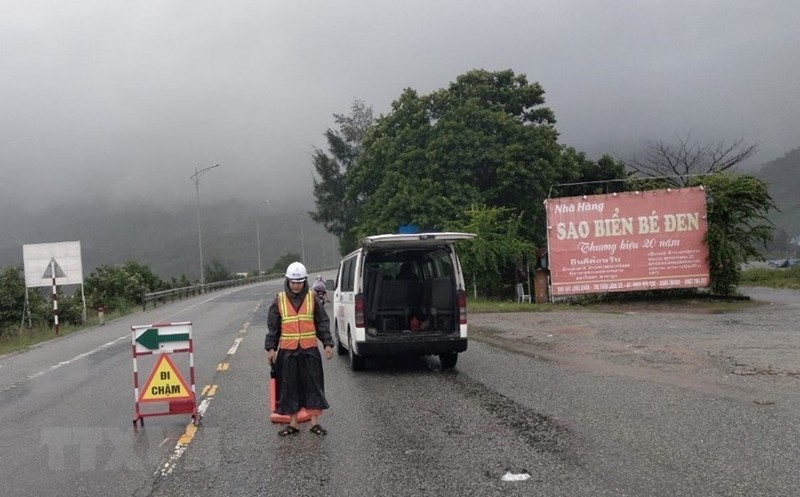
(415, 239)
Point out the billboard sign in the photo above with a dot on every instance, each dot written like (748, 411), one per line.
(44, 261)
(628, 241)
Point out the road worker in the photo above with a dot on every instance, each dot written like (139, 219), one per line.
(295, 322)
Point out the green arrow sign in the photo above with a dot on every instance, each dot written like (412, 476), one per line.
(151, 339)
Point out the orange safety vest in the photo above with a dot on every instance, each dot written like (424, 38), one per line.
(297, 327)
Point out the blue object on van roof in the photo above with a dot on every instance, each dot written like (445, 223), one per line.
(408, 229)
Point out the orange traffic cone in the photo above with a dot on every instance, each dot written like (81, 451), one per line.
(302, 416)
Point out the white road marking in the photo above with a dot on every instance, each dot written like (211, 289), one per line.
(76, 358)
(509, 476)
(127, 336)
(183, 442)
(236, 343)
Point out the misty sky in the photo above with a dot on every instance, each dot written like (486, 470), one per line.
(124, 99)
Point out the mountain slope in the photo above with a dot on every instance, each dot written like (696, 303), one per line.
(783, 177)
(166, 238)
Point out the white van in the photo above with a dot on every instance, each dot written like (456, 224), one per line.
(401, 294)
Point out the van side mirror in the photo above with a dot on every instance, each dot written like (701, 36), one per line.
(329, 284)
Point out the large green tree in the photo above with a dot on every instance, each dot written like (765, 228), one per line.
(486, 140)
(333, 209)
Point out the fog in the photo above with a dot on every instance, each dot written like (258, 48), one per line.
(123, 101)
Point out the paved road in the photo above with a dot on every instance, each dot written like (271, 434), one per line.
(666, 403)
(772, 295)
(567, 403)
(584, 404)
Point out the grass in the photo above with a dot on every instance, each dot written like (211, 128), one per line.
(772, 277)
(22, 338)
(484, 305)
(12, 340)
(767, 277)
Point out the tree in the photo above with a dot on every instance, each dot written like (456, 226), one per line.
(283, 262)
(737, 208)
(485, 140)
(120, 286)
(345, 145)
(12, 297)
(216, 270)
(488, 261)
(182, 282)
(12, 301)
(607, 175)
(678, 163)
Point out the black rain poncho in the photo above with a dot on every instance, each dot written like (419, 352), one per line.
(299, 374)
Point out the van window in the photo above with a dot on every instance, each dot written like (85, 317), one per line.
(437, 264)
(348, 268)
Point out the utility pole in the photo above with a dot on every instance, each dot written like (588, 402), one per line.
(196, 178)
(302, 242)
(258, 247)
(258, 236)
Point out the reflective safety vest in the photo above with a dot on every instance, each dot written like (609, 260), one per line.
(297, 327)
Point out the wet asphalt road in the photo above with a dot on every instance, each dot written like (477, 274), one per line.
(582, 404)
(626, 405)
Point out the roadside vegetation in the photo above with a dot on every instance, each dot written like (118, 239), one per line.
(772, 277)
(481, 155)
(16, 335)
(685, 300)
(26, 315)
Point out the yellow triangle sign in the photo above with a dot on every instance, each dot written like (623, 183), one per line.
(165, 383)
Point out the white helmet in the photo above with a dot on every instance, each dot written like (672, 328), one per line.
(296, 271)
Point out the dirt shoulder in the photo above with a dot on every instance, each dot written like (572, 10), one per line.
(706, 346)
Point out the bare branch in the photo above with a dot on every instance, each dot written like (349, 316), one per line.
(677, 163)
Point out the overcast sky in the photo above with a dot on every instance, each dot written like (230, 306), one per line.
(126, 99)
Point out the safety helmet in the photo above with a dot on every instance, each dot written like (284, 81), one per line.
(296, 271)
(319, 277)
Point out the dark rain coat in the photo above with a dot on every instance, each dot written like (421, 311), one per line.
(299, 375)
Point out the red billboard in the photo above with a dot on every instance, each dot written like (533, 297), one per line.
(622, 242)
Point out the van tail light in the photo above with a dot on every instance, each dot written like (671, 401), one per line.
(462, 307)
(359, 310)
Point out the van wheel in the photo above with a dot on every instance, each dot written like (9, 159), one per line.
(356, 361)
(339, 347)
(448, 360)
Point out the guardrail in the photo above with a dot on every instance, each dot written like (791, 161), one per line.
(190, 291)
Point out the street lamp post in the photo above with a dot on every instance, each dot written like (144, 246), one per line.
(258, 238)
(333, 249)
(196, 178)
(302, 242)
(258, 247)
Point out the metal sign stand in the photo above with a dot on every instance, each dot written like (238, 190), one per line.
(165, 383)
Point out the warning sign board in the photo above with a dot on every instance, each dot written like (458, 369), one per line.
(45, 261)
(165, 383)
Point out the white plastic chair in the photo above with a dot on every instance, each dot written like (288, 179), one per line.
(521, 295)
